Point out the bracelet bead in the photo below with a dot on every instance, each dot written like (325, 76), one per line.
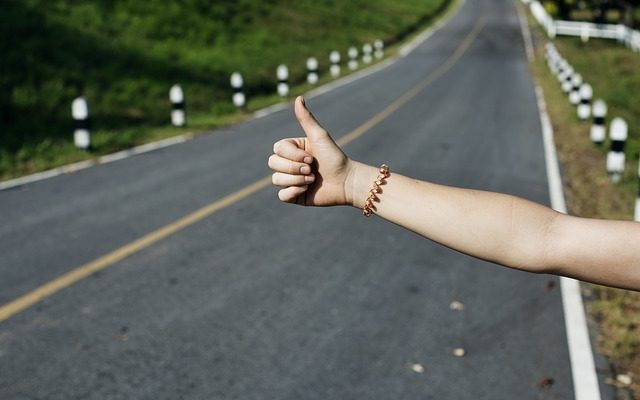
(369, 207)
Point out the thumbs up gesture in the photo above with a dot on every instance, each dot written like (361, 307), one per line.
(310, 170)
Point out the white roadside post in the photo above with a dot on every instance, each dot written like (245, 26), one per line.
(237, 82)
(282, 72)
(553, 58)
(80, 115)
(312, 70)
(562, 67)
(584, 108)
(598, 131)
(366, 53)
(636, 216)
(334, 58)
(550, 55)
(574, 95)
(378, 45)
(615, 157)
(178, 114)
(566, 78)
(353, 58)
(556, 64)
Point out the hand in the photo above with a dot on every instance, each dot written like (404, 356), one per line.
(311, 170)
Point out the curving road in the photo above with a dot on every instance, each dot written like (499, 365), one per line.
(261, 300)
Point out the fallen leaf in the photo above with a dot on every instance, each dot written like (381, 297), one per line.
(545, 383)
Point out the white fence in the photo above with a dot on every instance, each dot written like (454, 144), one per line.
(584, 30)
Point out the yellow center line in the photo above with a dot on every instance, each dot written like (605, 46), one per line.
(48, 289)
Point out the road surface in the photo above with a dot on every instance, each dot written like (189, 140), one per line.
(262, 300)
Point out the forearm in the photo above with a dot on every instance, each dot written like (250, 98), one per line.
(496, 227)
(500, 228)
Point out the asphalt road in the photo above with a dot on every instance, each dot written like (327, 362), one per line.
(263, 300)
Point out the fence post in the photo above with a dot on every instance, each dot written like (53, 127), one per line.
(615, 156)
(353, 58)
(282, 72)
(597, 129)
(621, 32)
(334, 57)
(584, 32)
(584, 108)
(366, 53)
(312, 68)
(574, 96)
(379, 46)
(237, 82)
(178, 114)
(80, 115)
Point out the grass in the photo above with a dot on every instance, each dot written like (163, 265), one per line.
(124, 56)
(614, 73)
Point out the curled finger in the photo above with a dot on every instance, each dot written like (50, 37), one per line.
(292, 149)
(291, 193)
(284, 165)
(284, 180)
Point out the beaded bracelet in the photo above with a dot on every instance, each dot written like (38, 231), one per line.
(369, 207)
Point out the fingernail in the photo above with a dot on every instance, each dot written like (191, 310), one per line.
(308, 160)
(309, 178)
(305, 169)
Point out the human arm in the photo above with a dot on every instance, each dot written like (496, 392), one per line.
(496, 227)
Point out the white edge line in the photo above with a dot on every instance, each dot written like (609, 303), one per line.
(69, 168)
(583, 370)
(526, 33)
(108, 158)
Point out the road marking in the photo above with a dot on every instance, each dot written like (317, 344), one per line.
(583, 370)
(80, 165)
(68, 279)
(402, 100)
(409, 47)
(48, 289)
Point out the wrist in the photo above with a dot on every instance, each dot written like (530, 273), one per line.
(360, 178)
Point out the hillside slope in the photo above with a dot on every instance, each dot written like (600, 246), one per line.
(124, 55)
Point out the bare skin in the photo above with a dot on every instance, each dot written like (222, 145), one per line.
(507, 230)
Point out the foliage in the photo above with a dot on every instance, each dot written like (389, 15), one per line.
(600, 11)
(124, 55)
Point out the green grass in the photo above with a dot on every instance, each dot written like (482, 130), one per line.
(614, 73)
(124, 56)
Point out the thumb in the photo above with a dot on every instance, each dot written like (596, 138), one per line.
(308, 122)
